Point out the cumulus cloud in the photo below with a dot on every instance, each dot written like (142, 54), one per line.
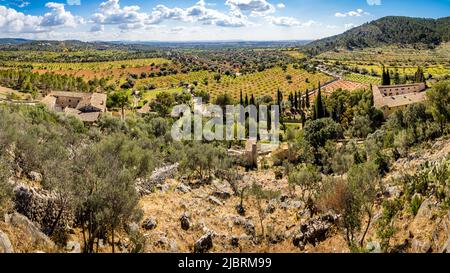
(130, 17)
(289, 22)
(59, 17)
(12, 21)
(281, 6)
(253, 7)
(352, 13)
(283, 21)
(374, 2)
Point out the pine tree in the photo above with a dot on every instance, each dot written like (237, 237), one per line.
(246, 100)
(419, 77)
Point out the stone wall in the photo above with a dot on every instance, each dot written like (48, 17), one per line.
(41, 207)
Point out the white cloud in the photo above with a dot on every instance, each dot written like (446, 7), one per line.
(374, 2)
(283, 21)
(130, 17)
(59, 17)
(349, 26)
(254, 7)
(12, 21)
(289, 22)
(281, 6)
(352, 13)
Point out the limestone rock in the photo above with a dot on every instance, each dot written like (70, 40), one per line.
(5, 243)
(315, 230)
(420, 246)
(33, 232)
(149, 224)
(374, 247)
(222, 190)
(158, 177)
(446, 247)
(35, 176)
(246, 224)
(183, 188)
(204, 244)
(185, 221)
(73, 247)
(213, 200)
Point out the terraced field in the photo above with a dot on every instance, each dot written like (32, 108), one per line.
(258, 84)
(115, 70)
(393, 55)
(344, 85)
(363, 79)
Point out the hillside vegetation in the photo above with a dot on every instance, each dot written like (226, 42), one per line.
(392, 30)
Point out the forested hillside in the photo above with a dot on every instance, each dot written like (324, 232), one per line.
(392, 30)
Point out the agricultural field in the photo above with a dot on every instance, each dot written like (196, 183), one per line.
(364, 79)
(258, 84)
(392, 55)
(295, 54)
(115, 71)
(344, 85)
(7, 93)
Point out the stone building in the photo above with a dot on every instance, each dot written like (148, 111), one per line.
(389, 98)
(85, 106)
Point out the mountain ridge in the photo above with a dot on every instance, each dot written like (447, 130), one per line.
(390, 30)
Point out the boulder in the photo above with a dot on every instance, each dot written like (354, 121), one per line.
(271, 207)
(234, 241)
(374, 247)
(149, 224)
(5, 243)
(204, 244)
(185, 221)
(240, 210)
(73, 247)
(222, 190)
(426, 210)
(158, 177)
(421, 245)
(213, 200)
(183, 188)
(315, 230)
(31, 229)
(446, 247)
(35, 176)
(246, 224)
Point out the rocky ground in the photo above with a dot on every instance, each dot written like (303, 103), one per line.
(183, 216)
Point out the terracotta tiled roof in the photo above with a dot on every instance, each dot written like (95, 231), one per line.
(415, 96)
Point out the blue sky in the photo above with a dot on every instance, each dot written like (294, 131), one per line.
(186, 20)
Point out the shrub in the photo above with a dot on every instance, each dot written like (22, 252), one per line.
(415, 204)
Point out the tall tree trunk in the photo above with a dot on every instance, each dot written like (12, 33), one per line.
(361, 242)
(55, 223)
(112, 235)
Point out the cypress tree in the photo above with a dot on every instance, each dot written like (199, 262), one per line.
(296, 101)
(252, 100)
(307, 102)
(246, 100)
(318, 105)
(241, 101)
